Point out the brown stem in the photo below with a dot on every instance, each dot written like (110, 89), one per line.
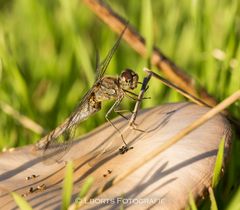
(137, 42)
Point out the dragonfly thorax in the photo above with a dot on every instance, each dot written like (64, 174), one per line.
(107, 89)
(128, 79)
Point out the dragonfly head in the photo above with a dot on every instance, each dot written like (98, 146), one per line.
(128, 79)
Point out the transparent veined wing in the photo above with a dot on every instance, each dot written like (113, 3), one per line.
(59, 141)
(101, 69)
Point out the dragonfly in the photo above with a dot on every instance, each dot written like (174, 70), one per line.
(104, 88)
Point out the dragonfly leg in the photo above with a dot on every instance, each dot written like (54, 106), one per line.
(120, 113)
(124, 148)
(133, 125)
(134, 96)
(114, 106)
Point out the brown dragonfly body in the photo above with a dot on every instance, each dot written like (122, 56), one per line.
(104, 88)
(108, 88)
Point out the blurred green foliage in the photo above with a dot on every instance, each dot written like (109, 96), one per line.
(48, 50)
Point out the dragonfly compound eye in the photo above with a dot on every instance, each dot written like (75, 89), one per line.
(128, 79)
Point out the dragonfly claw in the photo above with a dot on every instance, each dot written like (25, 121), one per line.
(124, 149)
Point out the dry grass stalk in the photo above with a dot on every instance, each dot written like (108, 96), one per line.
(23, 120)
(137, 42)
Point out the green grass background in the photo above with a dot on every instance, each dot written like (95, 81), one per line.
(48, 50)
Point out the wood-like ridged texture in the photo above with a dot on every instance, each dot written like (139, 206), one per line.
(168, 179)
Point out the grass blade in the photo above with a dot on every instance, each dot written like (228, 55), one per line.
(191, 203)
(86, 186)
(21, 202)
(212, 199)
(67, 186)
(218, 164)
(146, 23)
(83, 193)
(234, 203)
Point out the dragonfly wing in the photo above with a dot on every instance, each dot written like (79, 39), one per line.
(59, 146)
(56, 145)
(106, 150)
(102, 67)
(59, 141)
